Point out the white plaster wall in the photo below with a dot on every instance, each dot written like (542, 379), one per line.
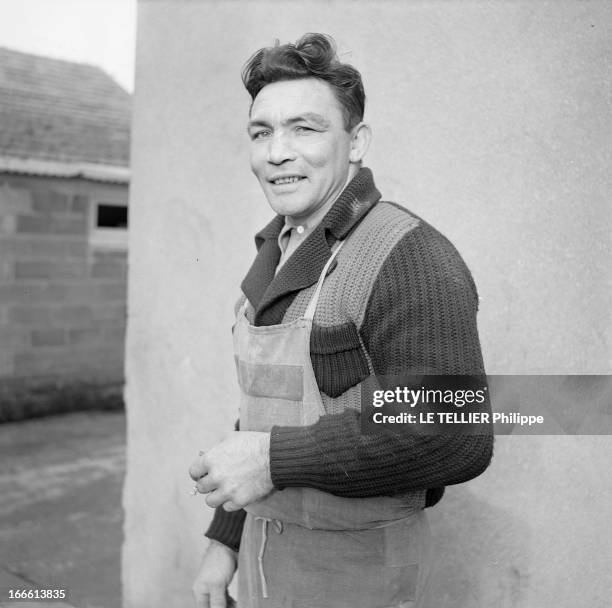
(492, 121)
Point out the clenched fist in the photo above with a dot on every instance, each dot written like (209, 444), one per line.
(235, 472)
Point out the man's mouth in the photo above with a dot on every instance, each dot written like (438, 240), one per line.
(290, 179)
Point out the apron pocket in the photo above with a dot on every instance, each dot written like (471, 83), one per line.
(274, 381)
(258, 415)
(327, 569)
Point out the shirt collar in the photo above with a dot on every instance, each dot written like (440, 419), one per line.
(304, 228)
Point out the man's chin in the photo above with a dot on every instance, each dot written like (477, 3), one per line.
(284, 207)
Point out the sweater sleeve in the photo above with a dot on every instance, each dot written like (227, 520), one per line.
(421, 317)
(226, 526)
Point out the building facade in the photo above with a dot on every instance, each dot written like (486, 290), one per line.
(64, 151)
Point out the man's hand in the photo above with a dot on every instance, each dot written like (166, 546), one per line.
(236, 472)
(215, 574)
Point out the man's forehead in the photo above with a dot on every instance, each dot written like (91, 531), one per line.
(308, 98)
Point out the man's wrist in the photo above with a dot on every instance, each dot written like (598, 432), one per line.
(265, 454)
(215, 545)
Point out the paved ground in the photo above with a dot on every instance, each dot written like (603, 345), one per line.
(60, 508)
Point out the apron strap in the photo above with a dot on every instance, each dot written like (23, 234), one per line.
(243, 308)
(278, 526)
(312, 305)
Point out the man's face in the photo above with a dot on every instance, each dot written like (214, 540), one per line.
(299, 146)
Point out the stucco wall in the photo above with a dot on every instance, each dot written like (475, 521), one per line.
(492, 121)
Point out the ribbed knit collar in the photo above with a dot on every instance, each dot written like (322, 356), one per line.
(271, 294)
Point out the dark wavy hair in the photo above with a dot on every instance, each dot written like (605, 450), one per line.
(312, 56)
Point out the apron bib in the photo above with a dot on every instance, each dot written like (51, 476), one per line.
(301, 547)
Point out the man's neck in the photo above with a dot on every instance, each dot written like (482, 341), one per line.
(313, 219)
(310, 220)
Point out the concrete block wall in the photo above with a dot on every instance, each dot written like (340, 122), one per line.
(62, 300)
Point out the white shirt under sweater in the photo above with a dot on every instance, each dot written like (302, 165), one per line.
(294, 233)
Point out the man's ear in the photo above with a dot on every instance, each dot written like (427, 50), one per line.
(361, 135)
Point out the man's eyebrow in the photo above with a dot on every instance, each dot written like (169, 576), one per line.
(313, 117)
(310, 117)
(257, 123)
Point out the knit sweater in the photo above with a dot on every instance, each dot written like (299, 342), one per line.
(399, 299)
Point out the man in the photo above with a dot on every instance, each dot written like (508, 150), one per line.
(344, 287)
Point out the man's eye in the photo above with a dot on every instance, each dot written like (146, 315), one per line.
(260, 134)
(303, 129)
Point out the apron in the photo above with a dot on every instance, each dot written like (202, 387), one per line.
(301, 547)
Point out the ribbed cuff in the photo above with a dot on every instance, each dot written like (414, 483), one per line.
(226, 527)
(295, 458)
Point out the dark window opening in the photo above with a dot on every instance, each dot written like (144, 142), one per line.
(112, 216)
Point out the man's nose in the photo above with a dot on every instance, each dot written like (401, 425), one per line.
(280, 149)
